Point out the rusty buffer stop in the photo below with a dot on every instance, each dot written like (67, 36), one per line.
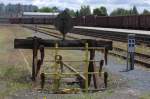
(89, 46)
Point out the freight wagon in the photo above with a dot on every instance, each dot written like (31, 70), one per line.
(128, 22)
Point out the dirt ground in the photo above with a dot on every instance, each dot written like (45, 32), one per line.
(15, 70)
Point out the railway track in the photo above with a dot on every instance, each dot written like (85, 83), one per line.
(112, 36)
(140, 58)
(120, 37)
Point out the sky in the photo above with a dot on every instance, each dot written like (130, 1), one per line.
(76, 4)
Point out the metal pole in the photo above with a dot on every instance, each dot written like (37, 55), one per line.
(132, 61)
(131, 50)
(127, 61)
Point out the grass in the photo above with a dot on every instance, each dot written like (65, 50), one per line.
(13, 69)
(12, 66)
(12, 88)
(14, 79)
(145, 96)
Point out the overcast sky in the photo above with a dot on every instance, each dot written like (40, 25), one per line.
(75, 4)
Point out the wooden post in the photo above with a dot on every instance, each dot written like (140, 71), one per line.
(105, 79)
(35, 60)
(42, 80)
(105, 55)
(101, 67)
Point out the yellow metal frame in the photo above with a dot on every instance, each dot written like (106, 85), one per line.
(56, 70)
(58, 75)
(86, 66)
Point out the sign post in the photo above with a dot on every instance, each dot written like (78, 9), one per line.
(130, 52)
(63, 23)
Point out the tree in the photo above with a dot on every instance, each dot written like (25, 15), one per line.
(102, 11)
(124, 12)
(97, 12)
(63, 22)
(134, 11)
(45, 9)
(85, 10)
(146, 12)
(33, 8)
(70, 12)
(55, 9)
(77, 13)
(120, 12)
(48, 9)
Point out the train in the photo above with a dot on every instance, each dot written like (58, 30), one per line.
(34, 18)
(31, 21)
(141, 22)
(126, 22)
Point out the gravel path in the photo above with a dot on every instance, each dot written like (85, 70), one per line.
(138, 79)
(35, 95)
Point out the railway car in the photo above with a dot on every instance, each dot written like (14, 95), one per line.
(144, 22)
(74, 21)
(101, 21)
(79, 21)
(49, 21)
(14, 20)
(115, 22)
(90, 20)
(38, 20)
(31, 20)
(131, 22)
(26, 20)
